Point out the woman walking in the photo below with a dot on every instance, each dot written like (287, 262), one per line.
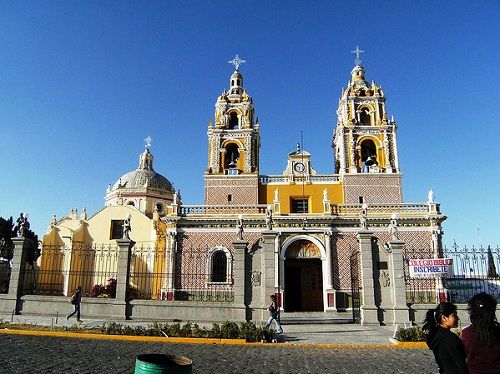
(447, 347)
(76, 299)
(482, 337)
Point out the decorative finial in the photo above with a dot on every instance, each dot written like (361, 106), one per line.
(357, 52)
(148, 141)
(236, 61)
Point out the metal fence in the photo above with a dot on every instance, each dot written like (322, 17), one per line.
(157, 274)
(418, 291)
(195, 280)
(60, 270)
(474, 271)
(149, 271)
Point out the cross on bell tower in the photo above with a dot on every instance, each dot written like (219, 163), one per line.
(233, 146)
(365, 140)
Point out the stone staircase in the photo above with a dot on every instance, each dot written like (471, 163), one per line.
(299, 318)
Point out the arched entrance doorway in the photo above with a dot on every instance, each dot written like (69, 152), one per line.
(303, 277)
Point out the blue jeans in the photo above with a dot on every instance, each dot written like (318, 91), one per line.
(279, 329)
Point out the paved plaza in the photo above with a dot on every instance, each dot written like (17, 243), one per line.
(41, 354)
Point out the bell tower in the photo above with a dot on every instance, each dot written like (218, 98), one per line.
(233, 146)
(365, 142)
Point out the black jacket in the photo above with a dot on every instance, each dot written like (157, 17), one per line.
(449, 351)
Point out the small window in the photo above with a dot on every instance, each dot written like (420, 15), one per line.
(361, 199)
(300, 205)
(229, 198)
(219, 267)
(116, 229)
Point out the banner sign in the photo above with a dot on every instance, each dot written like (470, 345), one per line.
(431, 268)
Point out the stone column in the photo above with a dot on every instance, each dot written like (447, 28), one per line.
(12, 302)
(268, 272)
(240, 282)
(369, 311)
(399, 313)
(120, 304)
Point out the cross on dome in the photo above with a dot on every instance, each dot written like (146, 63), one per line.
(358, 52)
(236, 61)
(148, 141)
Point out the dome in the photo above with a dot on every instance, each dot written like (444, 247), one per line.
(141, 178)
(144, 176)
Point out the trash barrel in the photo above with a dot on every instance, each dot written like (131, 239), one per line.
(160, 363)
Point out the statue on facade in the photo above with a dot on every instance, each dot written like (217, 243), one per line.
(269, 217)
(430, 196)
(325, 195)
(393, 228)
(239, 225)
(363, 221)
(276, 197)
(126, 227)
(22, 225)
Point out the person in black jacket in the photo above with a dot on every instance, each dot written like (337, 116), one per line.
(76, 299)
(447, 347)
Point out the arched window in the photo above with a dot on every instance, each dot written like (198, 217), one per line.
(364, 117)
(219, 266)
(233, 121)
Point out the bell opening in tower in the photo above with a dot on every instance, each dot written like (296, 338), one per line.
(368, 155)
(231, 160)
(233, 121)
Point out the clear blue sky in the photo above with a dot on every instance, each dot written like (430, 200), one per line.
(83, 83)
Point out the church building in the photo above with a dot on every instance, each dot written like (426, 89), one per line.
(325, 244)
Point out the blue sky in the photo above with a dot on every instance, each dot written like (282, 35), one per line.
(83, 83)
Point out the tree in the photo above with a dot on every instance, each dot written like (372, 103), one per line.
(7, 232)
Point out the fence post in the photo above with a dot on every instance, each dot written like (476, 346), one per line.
(400, 311)
(369, 311)
(16, 282)
(120, 304)
(240, 282)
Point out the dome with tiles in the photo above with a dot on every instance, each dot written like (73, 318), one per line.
(144, 176)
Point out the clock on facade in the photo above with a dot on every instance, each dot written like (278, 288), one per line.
(299, 167)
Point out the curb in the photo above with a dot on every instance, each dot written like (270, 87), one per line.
(157, 339)
(180, 340)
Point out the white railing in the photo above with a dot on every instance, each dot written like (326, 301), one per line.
(267, 179)
(185, 210)
(384, 209)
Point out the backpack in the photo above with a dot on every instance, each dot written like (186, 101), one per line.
(73, 299)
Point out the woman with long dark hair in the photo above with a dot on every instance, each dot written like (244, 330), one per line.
(482, 337)
(447, 347)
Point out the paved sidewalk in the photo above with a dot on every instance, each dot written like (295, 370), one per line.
(342, 334)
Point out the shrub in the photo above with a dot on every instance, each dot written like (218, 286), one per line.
(215, 331)
(229, 330)
(96, 290)
(410, 334)
(186, 330)
(175, 329)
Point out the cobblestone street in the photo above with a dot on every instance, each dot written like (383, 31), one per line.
(39, 354)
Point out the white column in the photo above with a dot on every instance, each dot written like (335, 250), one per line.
(328, 250)
(395, 146)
